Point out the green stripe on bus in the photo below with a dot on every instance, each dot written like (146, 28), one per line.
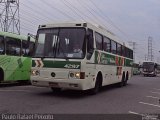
(59, 64)
(109, 59)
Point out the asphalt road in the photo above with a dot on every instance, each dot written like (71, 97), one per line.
(140, 96)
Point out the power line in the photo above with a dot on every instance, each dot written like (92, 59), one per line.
(76, 9)
(63, 13)
(29, 22)
(101, 16)
(41, 9)
(26, 28)
(111, 22)
(34, 10)
(72, 9)
(95, 17)
(33, 16)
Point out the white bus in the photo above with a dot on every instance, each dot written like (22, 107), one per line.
(150, 68)
(100, 59)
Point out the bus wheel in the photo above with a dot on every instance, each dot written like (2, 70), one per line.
(122, 83)
(55, 89)
(1, 75)
(98, 85)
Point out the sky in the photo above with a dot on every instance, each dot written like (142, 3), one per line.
(130, 20)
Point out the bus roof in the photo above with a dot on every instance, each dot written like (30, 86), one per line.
(16, 36)
(90, 25)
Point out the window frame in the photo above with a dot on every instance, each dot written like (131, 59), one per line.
(15, 40)
(108, 44)
(119, 52)
(112, 41)
(96, 33)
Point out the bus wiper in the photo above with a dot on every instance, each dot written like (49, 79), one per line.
(59, 47)
(65, 57)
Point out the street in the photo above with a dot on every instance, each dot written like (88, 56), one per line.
(140, 96)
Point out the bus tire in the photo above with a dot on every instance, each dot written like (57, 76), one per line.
(1, 75)
(55, 90)
(121, 84)
(126, 79)
(98, 85)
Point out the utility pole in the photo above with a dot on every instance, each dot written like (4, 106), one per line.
(146, 57)
(9, 16)
(150, 49)
(158, 59)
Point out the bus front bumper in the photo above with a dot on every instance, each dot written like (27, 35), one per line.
(73, 84)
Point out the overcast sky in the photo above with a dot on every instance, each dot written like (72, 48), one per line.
(131, 20)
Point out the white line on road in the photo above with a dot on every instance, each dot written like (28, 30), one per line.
(153, 97)
(149, 104)
(156, 89)
(155, 92)
(131, 112)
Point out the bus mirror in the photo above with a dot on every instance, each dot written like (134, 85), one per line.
(155, 65)
(88, 36)
(36, 37)
(28, 40)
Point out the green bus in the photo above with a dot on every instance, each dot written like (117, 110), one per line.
(136, 69)
(15, 57)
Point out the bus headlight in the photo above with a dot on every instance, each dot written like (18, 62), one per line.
(35, 72)
(77, 75)
(151, 72)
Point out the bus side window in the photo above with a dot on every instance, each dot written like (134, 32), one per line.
(127, 53)
(2, 45)
(113, 47)
(31, 48)
(131, 54)
(107, 44)
(99, 39)
(119, 49)
(27, 50)
(123, 51)
(90, 42)
(13, 46)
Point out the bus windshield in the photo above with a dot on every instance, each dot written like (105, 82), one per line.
(61, 43)
(148, 66)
